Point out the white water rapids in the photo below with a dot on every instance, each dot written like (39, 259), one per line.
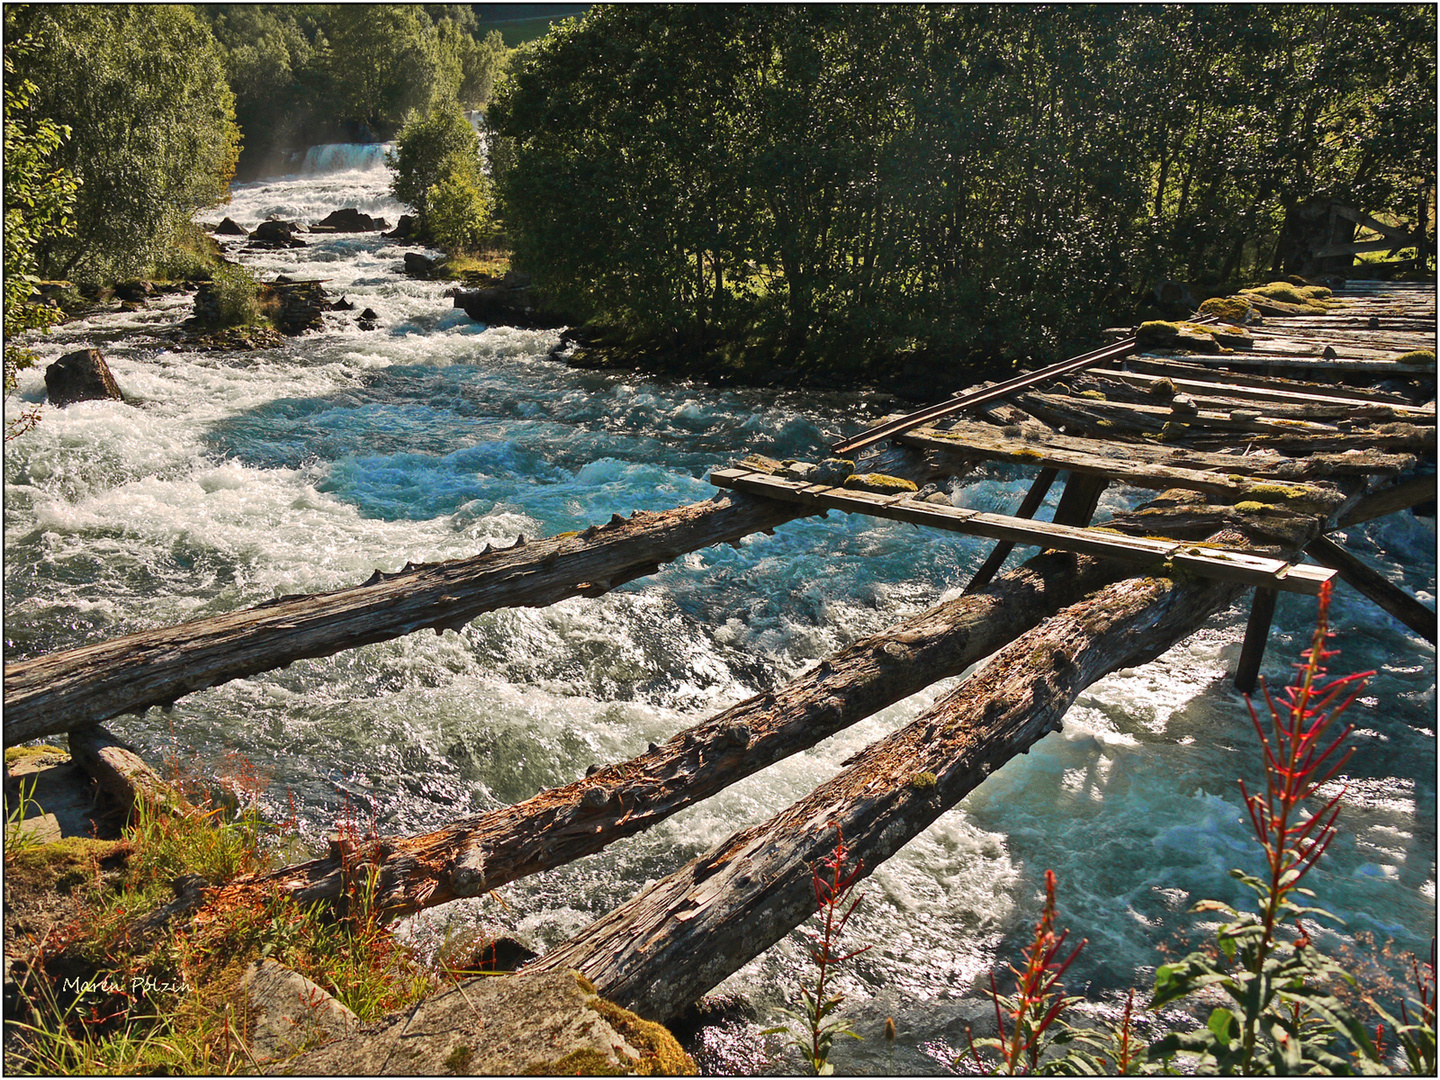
(231, 478)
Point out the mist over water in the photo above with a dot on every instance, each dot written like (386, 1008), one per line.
(231, 478)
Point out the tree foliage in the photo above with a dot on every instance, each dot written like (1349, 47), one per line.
(39, 196)
(152, 133)
(312, 73)
(436, 161)
(844, 183)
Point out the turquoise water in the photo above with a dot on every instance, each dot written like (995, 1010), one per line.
(231, 478)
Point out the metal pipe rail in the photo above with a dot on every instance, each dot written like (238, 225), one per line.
(991, 393)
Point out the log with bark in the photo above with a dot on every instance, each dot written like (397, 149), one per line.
(681, 937)
(78, 687)
(485, 851)
(482, 852)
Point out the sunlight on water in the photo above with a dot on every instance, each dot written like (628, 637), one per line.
(231, 478)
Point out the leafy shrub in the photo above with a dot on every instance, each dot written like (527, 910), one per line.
(437, 154)
(236, 295)
(460, 219)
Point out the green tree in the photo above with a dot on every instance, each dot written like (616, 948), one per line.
(865, 188)
(436, 161)
(38, 200)
(153, 136)
(384, 61)
(270, 61)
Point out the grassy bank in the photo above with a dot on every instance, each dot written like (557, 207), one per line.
(96, 993)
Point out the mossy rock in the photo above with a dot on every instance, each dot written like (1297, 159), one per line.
(1158, 334)
(1235, 310)
(1162, 388)
(833, 471)
(879, 483)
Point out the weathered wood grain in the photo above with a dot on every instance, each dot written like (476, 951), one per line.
(482, 852)
(684, 935)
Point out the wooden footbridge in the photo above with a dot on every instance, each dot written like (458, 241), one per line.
(1260, 436)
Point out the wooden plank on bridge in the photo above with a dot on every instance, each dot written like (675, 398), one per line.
(1146, 471)
(1222, 564)
(1419, 414)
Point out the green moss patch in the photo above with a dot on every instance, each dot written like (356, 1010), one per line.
(27, 753)
(1417, 356)
(1236, 310)
(1306, 297)
(879, 483)
(60, 865)
(661, 1054)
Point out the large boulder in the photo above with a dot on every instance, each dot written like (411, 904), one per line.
(510, 1025)
(276, 234)
(508, 307)
(288, 1012)
(229, 227)
(348, 220)
(135, 291)
(421, 266)
(405, 230)
(80, 376)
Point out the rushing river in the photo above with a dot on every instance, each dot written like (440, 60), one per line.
(231, 478)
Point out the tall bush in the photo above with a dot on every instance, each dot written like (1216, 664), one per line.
(436, 161)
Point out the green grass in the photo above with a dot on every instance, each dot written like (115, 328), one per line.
(170, 1002)
(519, 31)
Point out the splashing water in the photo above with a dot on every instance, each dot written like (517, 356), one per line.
(230, 478)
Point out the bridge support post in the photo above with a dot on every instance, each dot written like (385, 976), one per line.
(1079, 499)
(1257, 631)
(1033, 498)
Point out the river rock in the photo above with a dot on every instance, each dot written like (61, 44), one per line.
(549, 1024)
(80, 376)
(287, 1011)
(421, 266)
(832, 471)
(276, 234)
(229, 227)
(348, 220)
(135, 291)
(508, 307)
(404, 230)
(301, 303)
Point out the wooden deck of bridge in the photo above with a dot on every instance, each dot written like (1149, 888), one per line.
(1318, 414)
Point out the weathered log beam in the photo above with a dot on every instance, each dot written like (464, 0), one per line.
(682, 936)
(78, 687)
(1401, 495)
(1073, 452)
(485, 851)
(1369, 582)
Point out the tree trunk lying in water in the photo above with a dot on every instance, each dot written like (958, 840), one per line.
(682, 936)
(482, 852)
(87, 685)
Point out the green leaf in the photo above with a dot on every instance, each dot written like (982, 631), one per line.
(1223, 1025)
